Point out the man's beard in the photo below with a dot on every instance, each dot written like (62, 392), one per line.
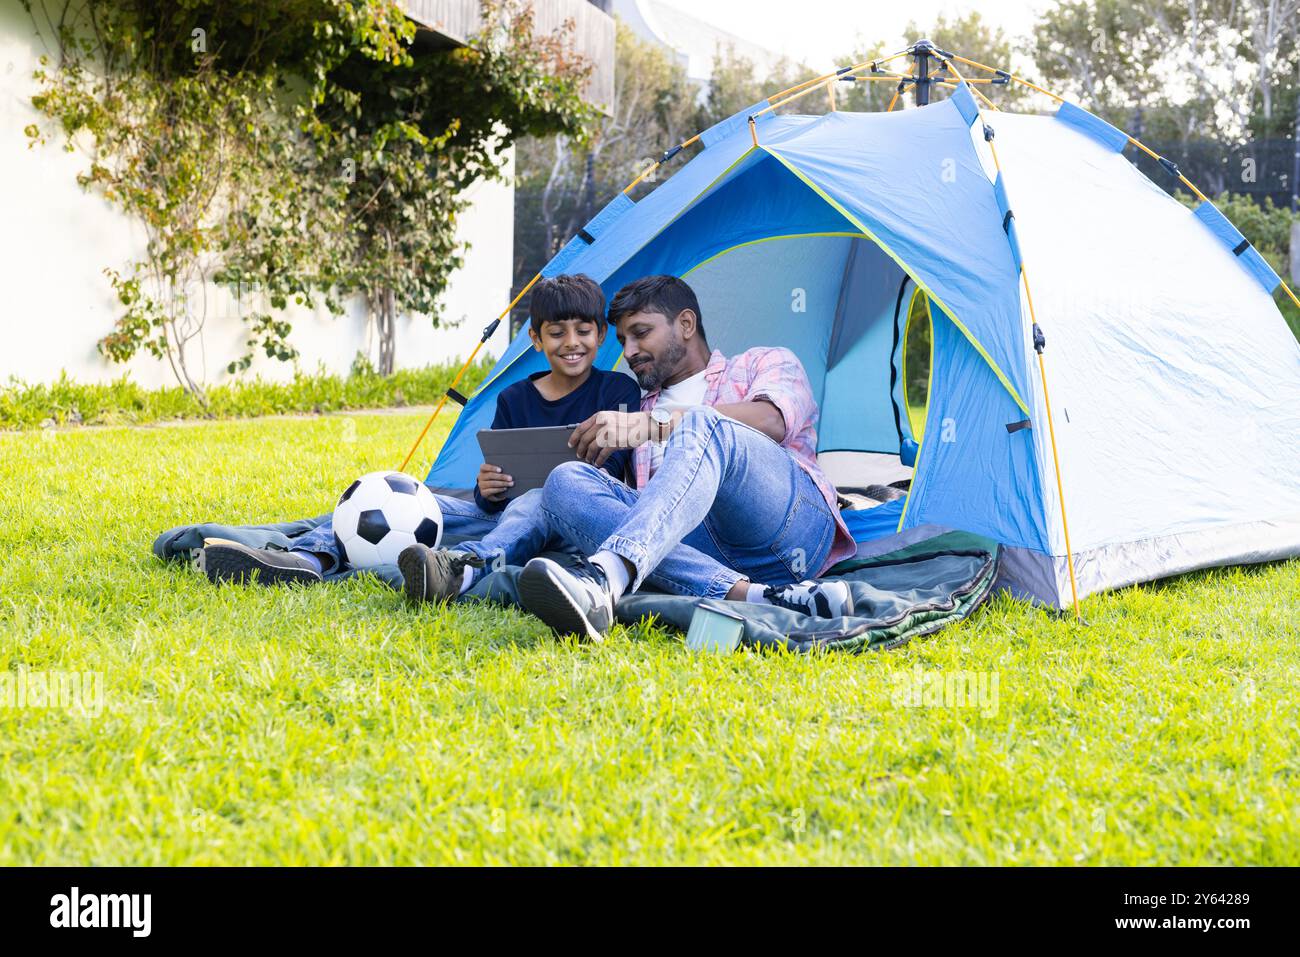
(651, 375)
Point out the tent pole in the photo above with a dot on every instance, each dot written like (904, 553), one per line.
(902, 85)
(1287, 290)
(1039, 343)
(653, 167)
(987, 102)
(843, 73)
(487, 334)
(922, 50)
(1134, 141)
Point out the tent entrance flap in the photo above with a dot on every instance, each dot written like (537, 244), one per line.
(820, 295)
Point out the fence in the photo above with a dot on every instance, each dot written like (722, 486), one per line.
(1264, 168)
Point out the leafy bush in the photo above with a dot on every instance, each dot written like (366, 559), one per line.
(66, 402)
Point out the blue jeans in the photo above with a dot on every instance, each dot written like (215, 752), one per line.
(726, 503)
(509, 537)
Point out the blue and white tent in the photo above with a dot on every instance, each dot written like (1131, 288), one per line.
(1174, 381)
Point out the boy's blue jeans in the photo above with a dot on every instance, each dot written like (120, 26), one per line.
(510, 537)
(726, 503)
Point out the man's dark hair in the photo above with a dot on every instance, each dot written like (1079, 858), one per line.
(567, 297)
(666, 295)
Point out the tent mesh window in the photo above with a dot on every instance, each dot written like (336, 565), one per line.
(916, 362)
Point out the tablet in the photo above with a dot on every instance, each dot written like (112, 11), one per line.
(527, 455)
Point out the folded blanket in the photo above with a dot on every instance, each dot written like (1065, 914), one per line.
(930, 578)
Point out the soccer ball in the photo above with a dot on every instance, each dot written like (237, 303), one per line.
(380, 514)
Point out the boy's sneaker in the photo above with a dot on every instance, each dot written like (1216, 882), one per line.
(433, 574)
(226, 561)
(572, 601)
(817, 599)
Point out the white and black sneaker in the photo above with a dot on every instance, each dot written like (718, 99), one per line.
(817, 599)
(572, 601)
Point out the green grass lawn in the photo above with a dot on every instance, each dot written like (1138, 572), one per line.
(337, 725)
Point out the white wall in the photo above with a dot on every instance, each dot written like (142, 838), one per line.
(56, 240)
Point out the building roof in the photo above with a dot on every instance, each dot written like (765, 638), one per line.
(454, 21)
(695, 41)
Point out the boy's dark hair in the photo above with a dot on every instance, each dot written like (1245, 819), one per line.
(567, 297)
(666, 295)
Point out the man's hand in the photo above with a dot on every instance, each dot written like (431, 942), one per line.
(493, 485)
(603, 433)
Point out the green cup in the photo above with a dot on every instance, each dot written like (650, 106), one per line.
(714, 629)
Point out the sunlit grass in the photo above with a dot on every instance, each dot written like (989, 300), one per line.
(337, 725)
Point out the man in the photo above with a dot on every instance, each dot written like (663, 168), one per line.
(731, 503)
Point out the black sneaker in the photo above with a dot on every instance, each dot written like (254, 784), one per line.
(225, 561)
(433, 574)
(572, 601)
(817, 599)
(885, 493)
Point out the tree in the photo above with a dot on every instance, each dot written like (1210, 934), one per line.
(1097, 51)
(562, 180)
(1211, 82)
(413, 133)
(1195, 68)
(735, 83)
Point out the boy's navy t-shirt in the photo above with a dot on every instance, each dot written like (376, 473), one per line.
(521, 406)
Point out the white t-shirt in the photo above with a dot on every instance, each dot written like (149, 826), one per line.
(674, 398)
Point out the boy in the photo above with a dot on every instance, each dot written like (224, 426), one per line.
(567, 326)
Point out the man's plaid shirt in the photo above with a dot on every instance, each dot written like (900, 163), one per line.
(778, 376)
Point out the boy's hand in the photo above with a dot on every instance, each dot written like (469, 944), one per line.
(597, 438)
(493, 484)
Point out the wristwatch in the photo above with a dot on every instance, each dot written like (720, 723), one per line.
(664, 419)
